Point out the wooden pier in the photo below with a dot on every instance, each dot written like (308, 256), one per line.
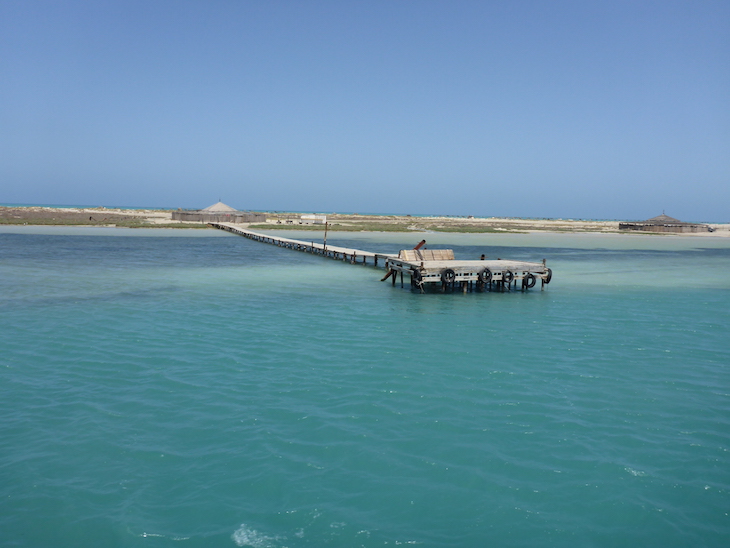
(435, 268)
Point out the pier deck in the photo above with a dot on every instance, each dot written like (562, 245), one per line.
(426, 266)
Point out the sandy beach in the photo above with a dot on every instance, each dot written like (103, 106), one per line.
(160, 218)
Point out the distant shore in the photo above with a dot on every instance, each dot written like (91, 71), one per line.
(158, 218)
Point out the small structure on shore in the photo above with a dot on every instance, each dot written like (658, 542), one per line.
(217, 213)
(664, 223)
(313, 220)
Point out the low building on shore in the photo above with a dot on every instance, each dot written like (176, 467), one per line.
(664, 223)
(217, 213)
(313, 220)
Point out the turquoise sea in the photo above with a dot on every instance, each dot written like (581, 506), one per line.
(173, 388)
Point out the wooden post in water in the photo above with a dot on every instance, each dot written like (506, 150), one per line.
(542, 280)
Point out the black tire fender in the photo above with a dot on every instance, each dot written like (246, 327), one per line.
(508, 276)
(448, 276)
(485, 276)
(548, 276)
(529, 280)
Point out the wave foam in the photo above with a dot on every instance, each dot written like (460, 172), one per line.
(246, 536)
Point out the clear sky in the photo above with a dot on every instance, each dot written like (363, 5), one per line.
(573, 109)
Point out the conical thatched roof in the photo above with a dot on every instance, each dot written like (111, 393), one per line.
(663, 219)
(220, 207)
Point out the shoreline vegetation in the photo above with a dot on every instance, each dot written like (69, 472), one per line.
(157, 218)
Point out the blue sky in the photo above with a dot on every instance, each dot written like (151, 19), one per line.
(573, 109)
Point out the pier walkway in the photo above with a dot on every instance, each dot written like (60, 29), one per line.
(334, 252)
(436, 267)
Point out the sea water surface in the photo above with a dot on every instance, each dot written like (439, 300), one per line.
(196, 389)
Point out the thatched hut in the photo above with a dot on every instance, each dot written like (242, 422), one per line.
(218, 213)
(664, 223)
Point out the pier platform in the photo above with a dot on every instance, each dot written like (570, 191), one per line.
(484, 275)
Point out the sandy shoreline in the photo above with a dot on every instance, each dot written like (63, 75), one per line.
(152, 218)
